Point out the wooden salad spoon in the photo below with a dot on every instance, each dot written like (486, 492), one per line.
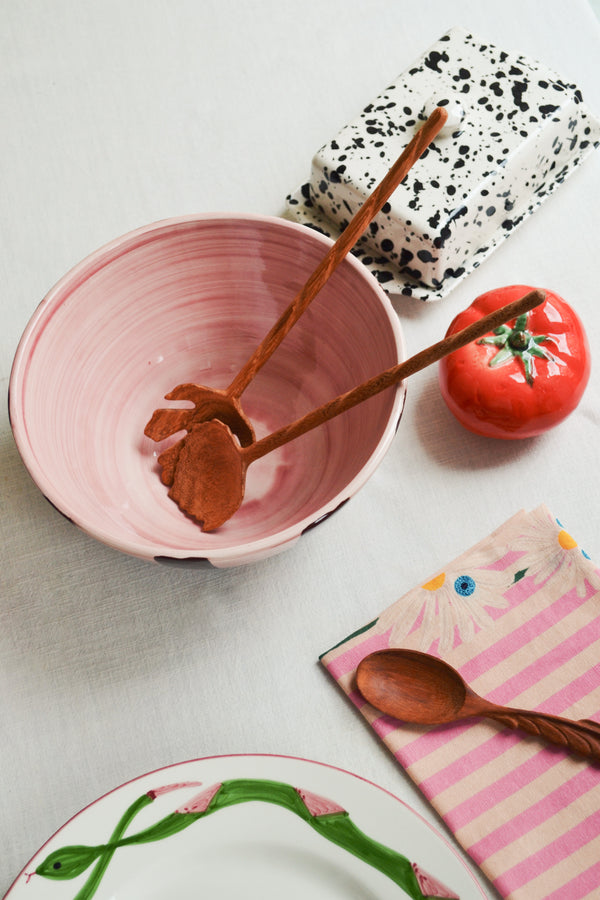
(214, 403)
(419, 688)
(207, 473)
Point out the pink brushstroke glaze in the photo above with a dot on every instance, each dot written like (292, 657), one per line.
(317, 805)
(158, 307)
(167, 788)
(199, 803)
(430, 886)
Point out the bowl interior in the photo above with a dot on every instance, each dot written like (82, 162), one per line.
(188, 301)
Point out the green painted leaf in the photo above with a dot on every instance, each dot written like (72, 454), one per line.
(68, 862)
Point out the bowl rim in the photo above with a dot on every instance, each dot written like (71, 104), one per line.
(151, 550)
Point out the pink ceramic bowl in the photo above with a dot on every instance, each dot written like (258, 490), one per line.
(189, 299)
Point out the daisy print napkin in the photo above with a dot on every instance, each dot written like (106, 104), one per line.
(519, 616)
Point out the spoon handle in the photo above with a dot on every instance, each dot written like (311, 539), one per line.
(581, 736)
(393, 376)
(338, 251)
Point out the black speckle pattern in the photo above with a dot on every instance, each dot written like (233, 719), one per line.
(522, 132)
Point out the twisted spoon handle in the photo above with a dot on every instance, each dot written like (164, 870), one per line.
(581, 736)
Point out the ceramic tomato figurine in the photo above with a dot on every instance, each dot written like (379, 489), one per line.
(525, 377)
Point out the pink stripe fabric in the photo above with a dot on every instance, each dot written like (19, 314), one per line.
(528, 813)
(572, 692)
(522, 635)
(508, 785)
(488, 752)
(546, 807)
(565, 845)
(548, 662)
(443, 737)
(584, 885)
(347, 662)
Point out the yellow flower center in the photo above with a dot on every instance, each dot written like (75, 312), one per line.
(566, 541)
(435, 583)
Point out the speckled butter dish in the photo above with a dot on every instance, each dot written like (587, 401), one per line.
(515, 132)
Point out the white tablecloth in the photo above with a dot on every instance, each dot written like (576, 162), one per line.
(115, 114)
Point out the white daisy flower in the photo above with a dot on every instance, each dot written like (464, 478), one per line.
(454, 604)
(551, 552)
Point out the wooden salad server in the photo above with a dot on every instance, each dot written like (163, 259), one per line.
(214, 403)
(419, 688)
(207, 473)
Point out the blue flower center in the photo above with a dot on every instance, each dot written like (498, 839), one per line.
(464, 585)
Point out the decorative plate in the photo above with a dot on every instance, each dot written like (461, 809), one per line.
(254, 826)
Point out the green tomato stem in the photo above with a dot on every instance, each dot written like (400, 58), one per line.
(520, 344)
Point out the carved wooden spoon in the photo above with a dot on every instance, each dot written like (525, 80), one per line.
(419, 688)
(207, 473)
(213, 403)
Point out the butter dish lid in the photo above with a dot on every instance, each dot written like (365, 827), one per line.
(515, 132)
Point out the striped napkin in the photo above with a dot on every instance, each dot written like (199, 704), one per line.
(519, 616)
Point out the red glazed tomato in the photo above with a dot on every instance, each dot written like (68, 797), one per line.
(525, 377)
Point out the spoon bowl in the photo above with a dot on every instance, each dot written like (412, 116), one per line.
(412, 687)
(421, 689)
